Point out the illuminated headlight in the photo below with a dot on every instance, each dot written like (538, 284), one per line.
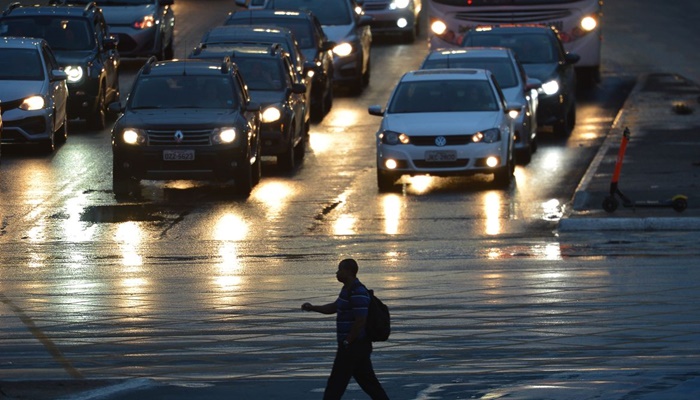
(391, 137)
(390, 164)
(588, 23)
(133, 136)
(400, 4)
(343, 49)
(551, 87)
(487, 136)
(75, 73)
(225, 135)
(310, 73)
(146, 22)
(492, 161)
(438, 27)
(32, 103)
(513, 114)
(271, 114)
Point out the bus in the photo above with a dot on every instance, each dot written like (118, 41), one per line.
(578, 23)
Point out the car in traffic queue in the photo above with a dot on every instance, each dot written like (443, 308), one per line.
(519, 89)
(541, 53)
(270, 77)
(346, 25)
(144, 27)
(84, 48)
(445, 122)
(187, 119)
(313, 42)
(33, 93)
(400, 17)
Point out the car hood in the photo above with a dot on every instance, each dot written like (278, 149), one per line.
(514, 96)
(266, 97)
(440, 123)
(73, 57)
(543, 72)
(16, 90)
(339, 33)
(178, 118)
(127, 15)
(310, 53)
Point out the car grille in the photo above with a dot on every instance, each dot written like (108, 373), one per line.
(375, 6)
(126, 43)
(515, 17)
(31, 125)
(459, 163)
(454, 140)
(199, 137)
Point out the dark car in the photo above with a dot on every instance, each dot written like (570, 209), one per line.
(346, 25)
(271, 80)
(313, 43)
(187, 119)
(84, 48)
(144, 27)
(543, 57)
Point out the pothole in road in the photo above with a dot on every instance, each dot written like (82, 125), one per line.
(129, 212)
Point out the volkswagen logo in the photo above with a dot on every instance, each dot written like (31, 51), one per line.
(440, 141)
(179, 136)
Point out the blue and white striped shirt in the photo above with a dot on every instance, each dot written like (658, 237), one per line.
(351, 305)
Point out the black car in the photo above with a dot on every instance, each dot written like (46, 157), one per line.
(313, 43)
(187, 119)
(543, 57)
(144, 27)
(84, 48)
(271, 80)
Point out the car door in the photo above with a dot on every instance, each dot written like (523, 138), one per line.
(110, 59)
(58, 90)
(297, 101)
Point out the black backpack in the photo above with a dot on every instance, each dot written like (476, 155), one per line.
(378, 319)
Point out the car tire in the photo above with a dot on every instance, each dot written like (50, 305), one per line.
(63, 131)
(286, 160)
(320, 108)
(525, 155)
(410, 36)
(169, 52)
(49, 145)
(367, 74)
(386, 181)
(257, 166)
(300, 150)
(504, 175)
(561, 127)
(243, 183)
(122, 183)
(98, 120)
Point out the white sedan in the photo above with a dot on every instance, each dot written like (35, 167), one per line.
(445, 122)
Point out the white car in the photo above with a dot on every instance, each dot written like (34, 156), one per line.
(519, 89)
(445, 122)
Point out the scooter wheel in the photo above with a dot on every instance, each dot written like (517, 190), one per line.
(680, 204)
(610, 204)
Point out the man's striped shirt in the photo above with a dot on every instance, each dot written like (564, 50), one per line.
(351, 305)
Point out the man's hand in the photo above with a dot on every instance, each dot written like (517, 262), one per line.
(306, 307)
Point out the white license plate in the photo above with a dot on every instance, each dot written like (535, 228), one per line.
(441, 155)
(178, 155)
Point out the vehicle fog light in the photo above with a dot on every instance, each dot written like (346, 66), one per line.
(492, 161)
(588, 23)
(390, 164)
(401, 23)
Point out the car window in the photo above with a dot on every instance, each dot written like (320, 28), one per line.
(329, 12)
(501, 67)
(260, 74)
(530, 48)
(21, 64)
(62, 33)
(443, 96)
(189, 91)
(115, 2)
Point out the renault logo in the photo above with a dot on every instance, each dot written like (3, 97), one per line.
(440, 141)
(179, 136)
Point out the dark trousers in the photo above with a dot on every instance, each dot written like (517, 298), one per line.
(354, 362)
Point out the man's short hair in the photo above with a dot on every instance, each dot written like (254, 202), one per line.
(350, 264)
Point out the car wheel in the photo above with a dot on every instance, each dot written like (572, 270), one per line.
(99, 118)
(286, 160)
(571, 118)
(169, 52)
(410, 36)
(257, 166)
(63, 131)
(525, 155)
(385, 181)
(561, 127)
(244, 179)
(49, 145)
(504, 175)
(320, 108)
(367, 75)
(122, 183)
(300, 150)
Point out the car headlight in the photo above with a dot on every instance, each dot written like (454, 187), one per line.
(551, 87)
(488, 136)
(146, 22)
(133, 136)
(225, 135)
(343, 49)
(75, 73)
(32, 103)
(391, 137)
(588, 23)
(400, 4)
(438, 27)
(271, 114)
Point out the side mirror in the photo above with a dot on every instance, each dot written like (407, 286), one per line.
(328, 45)
(252, 106)
(111, 42)
(58, 75)
(364, 20)
(166, 2)
(115, 107)
(375, 110)
(242, 3)
(298, 88)
(571, 58)
(532, 83)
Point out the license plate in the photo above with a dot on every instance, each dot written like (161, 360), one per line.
(441, 155)
(178, 155)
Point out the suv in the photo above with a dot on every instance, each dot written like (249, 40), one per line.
(313, 43)
(84, 49)
(543, 57)
(394, 16)
(144, 27)
(271, 80)
(33, 93)
(187, 119)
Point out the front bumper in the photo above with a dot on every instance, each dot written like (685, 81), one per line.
(387, 21)
(82, 100)
(275, 138)
(21, 126)
(136, 42)
(348, 69)
(550, 109)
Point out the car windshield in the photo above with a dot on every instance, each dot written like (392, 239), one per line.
(20, 65)
(61, 33)
(113, 2)
(184, 91)
(501, 67)
(328, 12)
(300, 28)
(260, 74)
(443, 96)
(530, 48)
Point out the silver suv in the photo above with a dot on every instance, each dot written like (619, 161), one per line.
(33, 93)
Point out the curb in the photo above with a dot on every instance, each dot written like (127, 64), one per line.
(107, 391)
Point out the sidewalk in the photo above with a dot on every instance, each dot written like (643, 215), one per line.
(662, 160)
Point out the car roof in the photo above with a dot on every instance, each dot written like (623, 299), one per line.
(233, 49)
(257, 14)
(72, 10)
(513, 28)
(185, 67)
(249, 31)
(471, 52)
(19, 42)
(445, 74)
